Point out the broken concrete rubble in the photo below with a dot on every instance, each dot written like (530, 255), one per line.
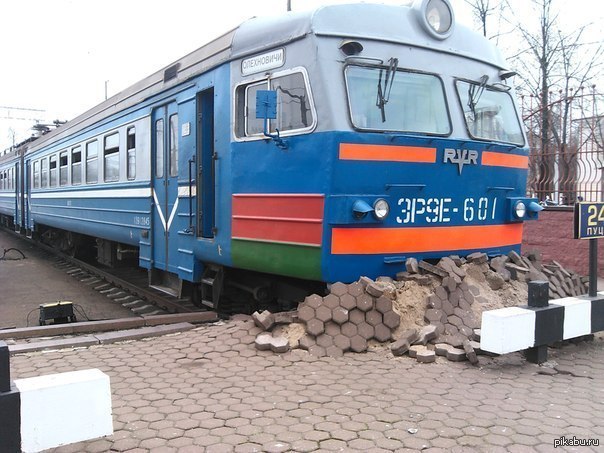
(445, 320)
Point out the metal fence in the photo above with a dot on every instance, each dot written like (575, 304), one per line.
(566, 162)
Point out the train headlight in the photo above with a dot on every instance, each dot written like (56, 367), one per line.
(381, 209)
(436, 16)
(520, 209)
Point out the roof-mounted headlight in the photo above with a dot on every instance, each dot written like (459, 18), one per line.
(436, 17)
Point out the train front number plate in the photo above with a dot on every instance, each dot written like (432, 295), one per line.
(445, 210)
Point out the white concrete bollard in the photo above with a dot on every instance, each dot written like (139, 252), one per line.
(65, 408)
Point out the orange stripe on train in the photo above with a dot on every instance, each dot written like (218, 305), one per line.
(367, 241)
(351, 151)
(504, 160)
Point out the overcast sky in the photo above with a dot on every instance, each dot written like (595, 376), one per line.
(57, 55)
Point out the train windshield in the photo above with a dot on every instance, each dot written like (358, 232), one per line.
(398, 101)
(489, 113)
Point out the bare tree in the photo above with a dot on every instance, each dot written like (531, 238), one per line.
(482, 9)
(554, 65)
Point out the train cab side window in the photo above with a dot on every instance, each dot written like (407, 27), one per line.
(131, 153)
(44, 172)
(76, 165)
(294, 111)
(92, 164)
(53, 171)
(253, 125)
(174, 145)
(63, 168)
(36, 175)
(112, 157)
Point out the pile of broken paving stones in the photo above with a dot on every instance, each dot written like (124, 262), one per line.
(353, 315)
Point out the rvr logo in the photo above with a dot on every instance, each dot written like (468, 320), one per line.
(461, 157)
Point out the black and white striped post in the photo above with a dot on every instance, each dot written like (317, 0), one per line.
(532, 327)
(10, 412)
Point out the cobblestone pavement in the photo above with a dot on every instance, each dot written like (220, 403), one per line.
(210, 390)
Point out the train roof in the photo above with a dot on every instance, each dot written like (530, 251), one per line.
(396, 24)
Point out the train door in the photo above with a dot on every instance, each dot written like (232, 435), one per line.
(206, 177)
(165, 185)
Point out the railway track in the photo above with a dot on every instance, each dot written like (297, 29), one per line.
(127, 286)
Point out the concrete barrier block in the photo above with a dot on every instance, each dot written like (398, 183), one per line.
(65, 408)
(507, 330)
(577, 316)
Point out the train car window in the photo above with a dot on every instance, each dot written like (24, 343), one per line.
(53, 171)
(76, 165)
(131, 153)
(92, 162)
(159, 148)
(416, 101)
(489, 113)
(1, 180)
(63, 168)
(36, 175)
(294, 111)
(174, 145)
(112, 157)
(44, 172)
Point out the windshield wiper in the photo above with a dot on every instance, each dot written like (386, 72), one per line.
(383, 94)
(475, 93)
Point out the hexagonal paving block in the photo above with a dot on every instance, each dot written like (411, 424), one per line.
(382, 333)
(317, 351)
(349, 329)
(348, 302)
(313, 301)
(331, 301)
(340, 315)
(373, 317)
(306, 313)
(342, 342)
(383, 304)
(392, 319)
(356, 316)
(339, 289)
(306, 342)
(355, 289)
(323, 313)
(334, 351)
(331, 328)
(365, 330)
(358, 344)
(315, 327)
(325, 341)
(364, 302)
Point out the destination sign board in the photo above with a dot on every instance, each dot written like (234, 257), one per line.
(589, 220)
(264, 62)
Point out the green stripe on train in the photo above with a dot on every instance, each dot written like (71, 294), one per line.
(299, 261)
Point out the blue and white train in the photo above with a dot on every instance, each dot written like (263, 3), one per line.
(310, 147)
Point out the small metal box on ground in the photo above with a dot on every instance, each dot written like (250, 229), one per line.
(60, 312)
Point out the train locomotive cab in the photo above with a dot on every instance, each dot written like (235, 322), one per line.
(399, 138)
